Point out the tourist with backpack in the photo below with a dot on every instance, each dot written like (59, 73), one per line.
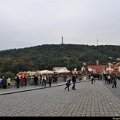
(68, 83)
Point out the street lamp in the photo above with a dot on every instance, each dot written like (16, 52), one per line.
(68, 59)
(68, 62)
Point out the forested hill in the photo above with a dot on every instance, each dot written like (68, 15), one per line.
(48, 56)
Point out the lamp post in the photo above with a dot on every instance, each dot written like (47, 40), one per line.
(68, 62)
(68, 58)
(85, 70)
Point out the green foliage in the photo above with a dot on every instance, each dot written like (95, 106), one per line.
(7, 74)
(10, 74)
(2, 74)
(49, 56)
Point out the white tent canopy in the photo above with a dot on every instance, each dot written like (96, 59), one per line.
(90, 69)
(63, 71)
(109, 69)
(31, 73)
(60, 70)
(45, 72)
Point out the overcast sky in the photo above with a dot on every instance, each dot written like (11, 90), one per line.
(25, 23)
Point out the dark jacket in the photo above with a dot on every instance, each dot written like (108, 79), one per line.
(4, 81)
(73, 79)
(35, 78)
(68, 82)
(17, 79)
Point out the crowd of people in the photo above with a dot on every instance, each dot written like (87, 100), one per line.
(5, 82)
(35, 80)
(108, 78)
(43, 80)
(23, 80)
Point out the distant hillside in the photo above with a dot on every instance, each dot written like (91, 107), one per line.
(49, 56)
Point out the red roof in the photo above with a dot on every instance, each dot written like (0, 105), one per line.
(113, 66)
(97, 68)
(101, 68)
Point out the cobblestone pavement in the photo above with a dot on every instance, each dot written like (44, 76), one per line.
(87, 100)
(13, 89)
(115, 91)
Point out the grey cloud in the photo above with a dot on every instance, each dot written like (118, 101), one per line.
(31, 22)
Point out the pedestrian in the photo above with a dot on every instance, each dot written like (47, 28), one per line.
(114, 81)
(56, 78)
(21, 80)
(92, 79)
(74, 81)
(17, 81)
(4, 82)
(50, 80)
(45, 80)
(32, 80)
(8, 81)
(67, 84)
(35, 80)
(40, 78)
(25, 79)
(105, 78)
(109, 79)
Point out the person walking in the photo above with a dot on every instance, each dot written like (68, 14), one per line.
(114, 81)
(50, 80)
(105, 78)
(8, 81)
(92, 79)
(17, 81)
(109, 79)
(74, 81)
(4, 82)
(67, 84)
(25, 79)
(56, 78)
(22, 80)
(40, 78)
(35, 80)
(45, 80)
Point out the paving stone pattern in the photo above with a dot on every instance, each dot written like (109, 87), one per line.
(115, 91)
(87, 100)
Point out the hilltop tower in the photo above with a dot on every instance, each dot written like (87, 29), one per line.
(62, 40)
(97, 41)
